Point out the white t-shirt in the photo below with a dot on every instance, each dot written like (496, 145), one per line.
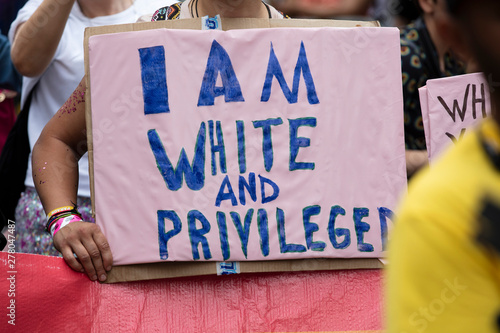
(66, 70)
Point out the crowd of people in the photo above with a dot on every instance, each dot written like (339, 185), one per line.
(443, 273)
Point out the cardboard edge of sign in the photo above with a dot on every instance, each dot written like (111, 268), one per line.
(162, 270)
(179, 269)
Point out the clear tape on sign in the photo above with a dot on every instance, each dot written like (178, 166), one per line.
(228, 267)
(211, 23)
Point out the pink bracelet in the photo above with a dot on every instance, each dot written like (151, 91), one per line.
(62, 222)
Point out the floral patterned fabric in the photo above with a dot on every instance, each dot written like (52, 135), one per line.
(420, 62)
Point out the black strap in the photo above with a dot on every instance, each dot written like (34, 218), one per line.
(14, 163)
(268, 9)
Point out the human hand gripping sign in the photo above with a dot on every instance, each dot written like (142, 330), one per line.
(85, 249)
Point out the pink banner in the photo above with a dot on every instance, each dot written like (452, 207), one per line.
(42, 294)
(258, 144)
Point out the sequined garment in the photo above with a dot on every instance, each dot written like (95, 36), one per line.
(31, 236)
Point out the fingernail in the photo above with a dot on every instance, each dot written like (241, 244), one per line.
(103, 277)
(108, 268)
(94, 277)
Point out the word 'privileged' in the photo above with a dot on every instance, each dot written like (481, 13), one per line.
(339, 238)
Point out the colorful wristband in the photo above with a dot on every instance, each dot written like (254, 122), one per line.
(62, 222)
(60, 213)
(59, 210)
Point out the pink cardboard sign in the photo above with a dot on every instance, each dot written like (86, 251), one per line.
(258, 144)
(450, 106)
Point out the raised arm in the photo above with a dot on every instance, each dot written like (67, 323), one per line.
(36, 40)
(55, 173)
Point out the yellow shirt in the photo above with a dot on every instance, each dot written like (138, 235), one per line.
(443, 270)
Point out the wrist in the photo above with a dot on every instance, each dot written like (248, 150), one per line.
(62, 222)
(61, 217)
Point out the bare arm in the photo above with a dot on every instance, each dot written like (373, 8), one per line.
(36, 40)
(55, 173)
(415, 160)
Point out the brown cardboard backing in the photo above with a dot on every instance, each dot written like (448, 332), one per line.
(180, 269)
(163, 270)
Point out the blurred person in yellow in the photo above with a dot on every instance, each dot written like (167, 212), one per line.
(444, 256)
